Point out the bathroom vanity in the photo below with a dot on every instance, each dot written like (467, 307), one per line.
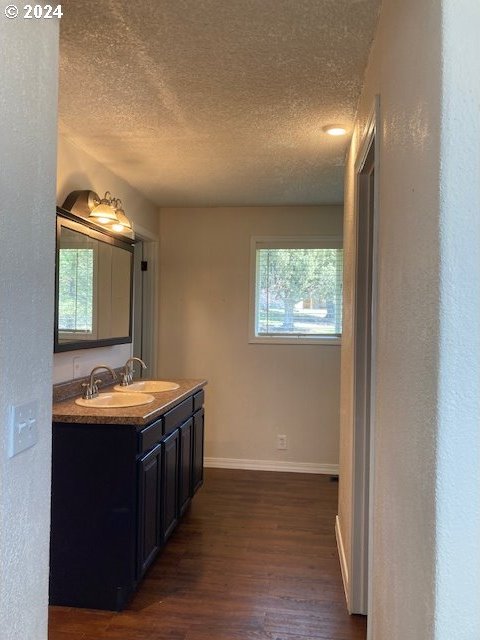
(121, 479)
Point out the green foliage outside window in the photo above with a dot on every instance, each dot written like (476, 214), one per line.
(75, 299)
(299, 291)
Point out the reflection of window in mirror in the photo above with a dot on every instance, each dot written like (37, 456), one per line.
(78, 266)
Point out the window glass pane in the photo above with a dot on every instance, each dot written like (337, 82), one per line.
(299, 292)
(75, 296)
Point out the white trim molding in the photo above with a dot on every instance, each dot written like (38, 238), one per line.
(271, 465)
(364, 384)
(343, 560)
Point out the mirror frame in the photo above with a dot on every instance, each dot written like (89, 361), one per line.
(75, 223)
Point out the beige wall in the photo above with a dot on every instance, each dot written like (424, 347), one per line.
(411, 592)
(404, 69)
(78, 170)
(457, 486)
(28, 104)
(255, 391)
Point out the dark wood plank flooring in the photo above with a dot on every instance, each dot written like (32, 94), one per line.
(254, 559)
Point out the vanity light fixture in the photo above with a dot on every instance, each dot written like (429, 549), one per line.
(335, 130)
(123, 222)
(104, 210)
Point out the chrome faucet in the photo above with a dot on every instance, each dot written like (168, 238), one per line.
(127, 373)
(91, 388)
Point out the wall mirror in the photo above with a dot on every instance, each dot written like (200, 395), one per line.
(93, 288)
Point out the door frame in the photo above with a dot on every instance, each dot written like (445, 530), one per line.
(364, 429)
(150, 302)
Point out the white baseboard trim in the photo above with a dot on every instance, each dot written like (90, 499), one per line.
(343, 560)
(271, 465)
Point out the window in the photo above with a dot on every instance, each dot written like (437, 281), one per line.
(296, 290)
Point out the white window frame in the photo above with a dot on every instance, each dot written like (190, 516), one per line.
(302, 242)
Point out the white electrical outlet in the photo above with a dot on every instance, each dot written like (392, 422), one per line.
(23, 427)
(281, 442)
(77, 363)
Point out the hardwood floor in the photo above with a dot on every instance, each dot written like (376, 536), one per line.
(254, 559)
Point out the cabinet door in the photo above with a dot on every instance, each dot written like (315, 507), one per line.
(197, 457)
(170, 448)
(94, 537)
(185, 466)
(149, 485)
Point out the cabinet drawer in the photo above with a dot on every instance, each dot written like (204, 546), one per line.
(177, 415)
(198, 400)
(149, 436)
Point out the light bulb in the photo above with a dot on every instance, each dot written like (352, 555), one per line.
(118, 227)
(103, 220)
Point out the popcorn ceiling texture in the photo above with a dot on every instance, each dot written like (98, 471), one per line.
(208, 102)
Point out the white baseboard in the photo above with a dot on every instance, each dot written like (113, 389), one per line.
(271, 465)
(343, 560)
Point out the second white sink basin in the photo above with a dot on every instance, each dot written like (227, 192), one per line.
(148, 386)
(114, 400)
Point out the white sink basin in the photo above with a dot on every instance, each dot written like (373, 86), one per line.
(114, 400)
(148, 386)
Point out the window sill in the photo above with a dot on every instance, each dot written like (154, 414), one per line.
(323, 340)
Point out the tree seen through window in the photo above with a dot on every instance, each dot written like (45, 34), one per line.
(75, 295)
(299, 291)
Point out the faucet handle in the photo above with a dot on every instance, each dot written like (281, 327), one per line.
(87, 391)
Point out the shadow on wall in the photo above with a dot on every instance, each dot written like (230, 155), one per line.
(71, 182)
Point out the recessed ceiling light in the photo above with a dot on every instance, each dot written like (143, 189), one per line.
(335, 130)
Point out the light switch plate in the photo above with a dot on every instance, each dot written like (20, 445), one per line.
(23, 427)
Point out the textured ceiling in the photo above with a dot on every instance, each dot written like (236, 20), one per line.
(215, 102)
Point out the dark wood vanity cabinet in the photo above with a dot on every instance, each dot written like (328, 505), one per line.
(118, 492)
(149, 504)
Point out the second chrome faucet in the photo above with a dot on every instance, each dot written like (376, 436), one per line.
(128, 370)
